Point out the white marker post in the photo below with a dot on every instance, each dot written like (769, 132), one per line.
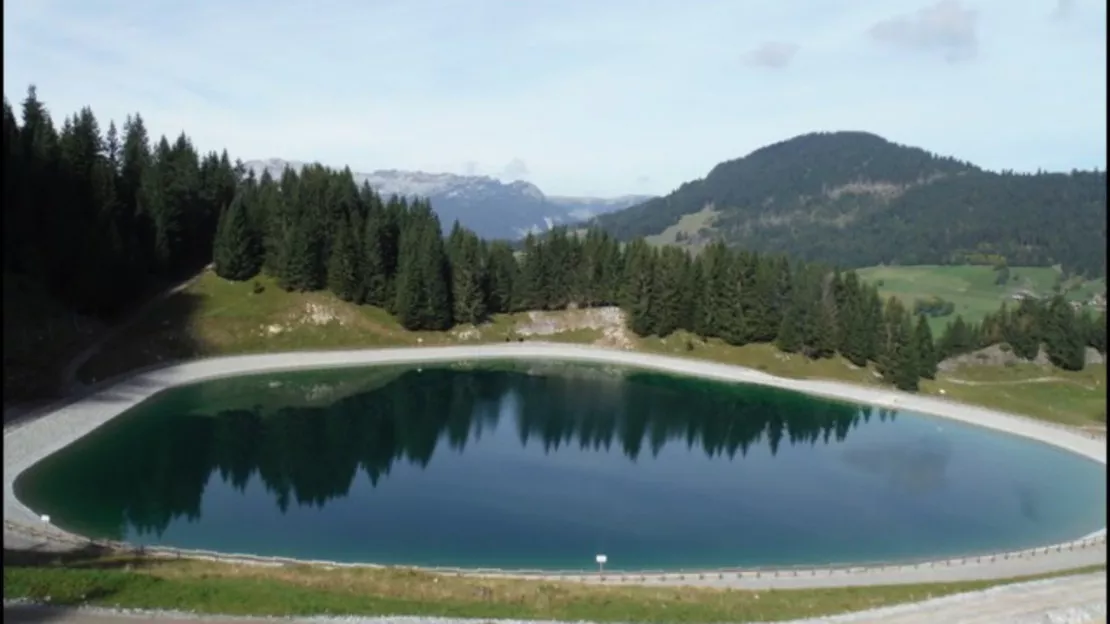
(45, 519)
(601, 559)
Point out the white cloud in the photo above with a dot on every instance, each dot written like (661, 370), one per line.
(600, 98)
(772, 54)
(947, 26)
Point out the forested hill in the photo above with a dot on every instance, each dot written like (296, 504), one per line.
(855, 199)
(98, 220)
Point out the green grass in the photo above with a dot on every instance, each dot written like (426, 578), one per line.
(763, 357)
(689, 225)
(1071, 398)
(214, 316)
(217, 317)
(971, 288)
(297, 590)
(38, 333)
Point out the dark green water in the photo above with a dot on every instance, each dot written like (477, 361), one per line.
(545, 468)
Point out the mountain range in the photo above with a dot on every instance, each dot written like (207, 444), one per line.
(491, 208)
(855, 199)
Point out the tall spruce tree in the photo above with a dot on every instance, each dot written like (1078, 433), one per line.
(639, 295)
(302, 262)
(237, 250)
(375, 280)
(468, 279)
(502, 277)
(1063, 337)
(669, 290)
(345, 267)
(898, 362)
(926, 351)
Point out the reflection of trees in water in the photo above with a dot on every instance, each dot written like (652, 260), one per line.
(148, 470)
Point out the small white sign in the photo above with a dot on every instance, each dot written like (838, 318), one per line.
(601, 558)
(45, 518)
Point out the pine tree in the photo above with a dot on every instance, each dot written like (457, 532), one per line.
(301, 263)
(898, 362)
(639, 293)
(423, 294)
(692, 289)
(237, 250)
(467, 279)
(1024, 331)
(789, 338)
(1063, 338)
(502, 275)
(375, 281)
(852, 319)
(925, 349)
(958, 338)
(669, 291)
(531, 287)
(826, 335)
(436, 275)
(345, 272)
(1096, 333)
(409, 305)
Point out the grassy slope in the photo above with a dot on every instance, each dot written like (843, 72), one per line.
(39, 333)
(970, 288)
(214, 316)
(225, 588)
(689, 225)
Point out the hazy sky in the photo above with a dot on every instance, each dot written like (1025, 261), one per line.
(599, 97)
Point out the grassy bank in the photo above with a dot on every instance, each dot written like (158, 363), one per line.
(217, 317)
(225, 588)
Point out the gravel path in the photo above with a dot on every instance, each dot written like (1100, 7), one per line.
(34, 440)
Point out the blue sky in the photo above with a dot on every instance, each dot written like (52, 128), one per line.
(583, 97)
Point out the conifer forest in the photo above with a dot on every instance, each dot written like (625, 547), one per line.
(103, 217)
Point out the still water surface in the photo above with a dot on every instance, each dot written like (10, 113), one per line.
(528, 465)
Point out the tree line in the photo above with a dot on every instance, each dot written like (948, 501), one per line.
(1033, 327)
(101, 220)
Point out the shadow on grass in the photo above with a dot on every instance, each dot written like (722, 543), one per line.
(51, 598)
(91, 556)
(160, 336)
(37, 614)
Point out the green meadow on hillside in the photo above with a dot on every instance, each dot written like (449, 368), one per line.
(973, 288)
